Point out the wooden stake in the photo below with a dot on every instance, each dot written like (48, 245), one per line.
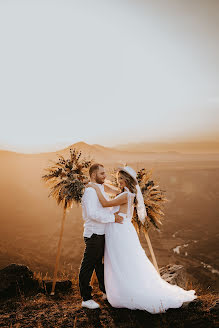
(58, 253)
(93, 278)
(151, 250)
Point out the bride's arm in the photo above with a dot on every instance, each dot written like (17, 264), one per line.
(112, 191)
(122, 199)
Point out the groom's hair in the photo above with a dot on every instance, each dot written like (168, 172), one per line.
(94, 167)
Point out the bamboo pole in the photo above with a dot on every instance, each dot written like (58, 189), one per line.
(151, 250)
(58, 253)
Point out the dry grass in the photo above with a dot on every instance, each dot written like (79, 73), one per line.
(64, 310)
(208, 299)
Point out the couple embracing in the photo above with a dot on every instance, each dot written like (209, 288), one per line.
(127, 278)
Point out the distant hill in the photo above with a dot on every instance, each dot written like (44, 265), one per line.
(94, 151)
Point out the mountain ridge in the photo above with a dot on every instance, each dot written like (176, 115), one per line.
(134, 148)
(179, 146)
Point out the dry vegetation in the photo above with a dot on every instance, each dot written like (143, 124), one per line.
(64, 310)
(191, 219)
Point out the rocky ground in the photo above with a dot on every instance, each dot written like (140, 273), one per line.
(25, 301)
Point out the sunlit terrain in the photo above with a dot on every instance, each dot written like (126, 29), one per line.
(30, 221)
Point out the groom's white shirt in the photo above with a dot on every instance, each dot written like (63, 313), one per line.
(94, 214)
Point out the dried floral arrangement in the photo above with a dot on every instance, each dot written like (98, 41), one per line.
(154, 200)
(67, 177)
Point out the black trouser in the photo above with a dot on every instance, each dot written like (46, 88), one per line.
(93, 256)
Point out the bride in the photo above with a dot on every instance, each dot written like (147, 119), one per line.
(131, 281)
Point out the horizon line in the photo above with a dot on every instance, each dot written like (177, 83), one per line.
(115, 147)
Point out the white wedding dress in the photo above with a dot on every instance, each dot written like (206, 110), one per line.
(131, 281)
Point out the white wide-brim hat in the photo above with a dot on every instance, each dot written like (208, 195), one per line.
(130, 171)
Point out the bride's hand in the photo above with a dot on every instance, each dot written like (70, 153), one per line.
(91, 185)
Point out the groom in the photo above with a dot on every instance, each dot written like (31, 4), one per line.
(95, 219)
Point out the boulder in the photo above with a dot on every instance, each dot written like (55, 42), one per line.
(17, 280)
(64, 286)
(174, 274)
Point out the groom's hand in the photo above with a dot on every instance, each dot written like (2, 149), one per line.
(118, 218)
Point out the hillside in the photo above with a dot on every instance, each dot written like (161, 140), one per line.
(30, 221)
(31, 305)
(192, 147)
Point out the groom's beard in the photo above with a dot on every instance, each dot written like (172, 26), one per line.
(99, 180)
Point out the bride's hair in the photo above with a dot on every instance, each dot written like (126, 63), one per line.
(130, 183)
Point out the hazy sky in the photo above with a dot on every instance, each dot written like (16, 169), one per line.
(107, 71)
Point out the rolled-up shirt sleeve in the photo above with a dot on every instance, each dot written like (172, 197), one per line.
(90, 200)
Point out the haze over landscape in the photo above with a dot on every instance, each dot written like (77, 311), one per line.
(30, 221)
(108, 72)
(125, 82)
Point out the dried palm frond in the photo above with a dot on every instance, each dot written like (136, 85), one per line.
(154, 198)
(67, 177)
